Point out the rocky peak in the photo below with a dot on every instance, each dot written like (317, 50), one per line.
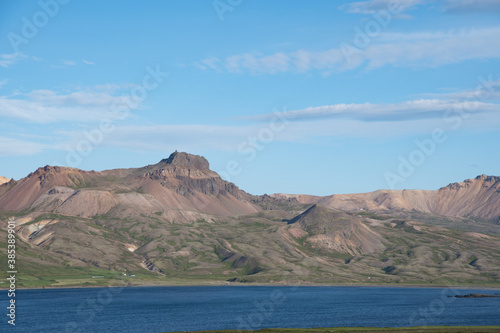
(468, 182)
(186, 160)
(187, 174)
(489, 179)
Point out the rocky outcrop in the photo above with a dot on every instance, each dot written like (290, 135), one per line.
(188, 180)
(187, 160)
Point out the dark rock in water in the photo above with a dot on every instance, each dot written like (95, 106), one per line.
(475, 295)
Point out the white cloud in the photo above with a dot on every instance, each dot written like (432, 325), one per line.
(426, 49)
(6, 60)
(45, 106)
(88, 62)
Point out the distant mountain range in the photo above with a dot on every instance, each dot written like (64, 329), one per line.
(178, 222)
(183, 186)
(479, 197)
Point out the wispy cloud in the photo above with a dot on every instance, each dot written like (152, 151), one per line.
(368, 112)
(471, 6)
(307, 126)
(373, 6)
(299, 61)
(401, 6)
(6, 60)
(68, 63)
(488, 90)
(15, 147)
(46, 106)
(166, 137)
(366, 120)
(425, 49)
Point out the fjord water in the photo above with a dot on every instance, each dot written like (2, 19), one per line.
(162, 309)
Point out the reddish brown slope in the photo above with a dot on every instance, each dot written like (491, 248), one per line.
(20, 195)
(181, 186)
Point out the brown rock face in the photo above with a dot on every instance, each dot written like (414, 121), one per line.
(186, 174)
(187, 160)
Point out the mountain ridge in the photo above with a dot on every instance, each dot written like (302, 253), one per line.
(477, 197)
(184, 182)
(181, 186)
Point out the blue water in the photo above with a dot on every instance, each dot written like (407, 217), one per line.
(162, 309)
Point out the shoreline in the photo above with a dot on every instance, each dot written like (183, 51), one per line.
(224, 284)
(354, 329)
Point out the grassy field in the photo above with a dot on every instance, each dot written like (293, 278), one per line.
(452, 329)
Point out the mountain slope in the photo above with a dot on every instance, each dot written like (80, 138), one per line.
(318, 245)
(330, 230)
(4, 180)
(179, 187)
(479, 197)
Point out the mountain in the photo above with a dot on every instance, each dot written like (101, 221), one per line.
(4, 180)
(180, 187)
(178, 222)
(335, 231)
(478, 198)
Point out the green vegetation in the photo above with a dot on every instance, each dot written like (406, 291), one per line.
(262, 248)
(80, 182)
(374, 216)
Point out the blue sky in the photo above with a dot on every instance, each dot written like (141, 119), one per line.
(318, 97)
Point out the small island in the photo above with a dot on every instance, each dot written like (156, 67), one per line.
(476, 295)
